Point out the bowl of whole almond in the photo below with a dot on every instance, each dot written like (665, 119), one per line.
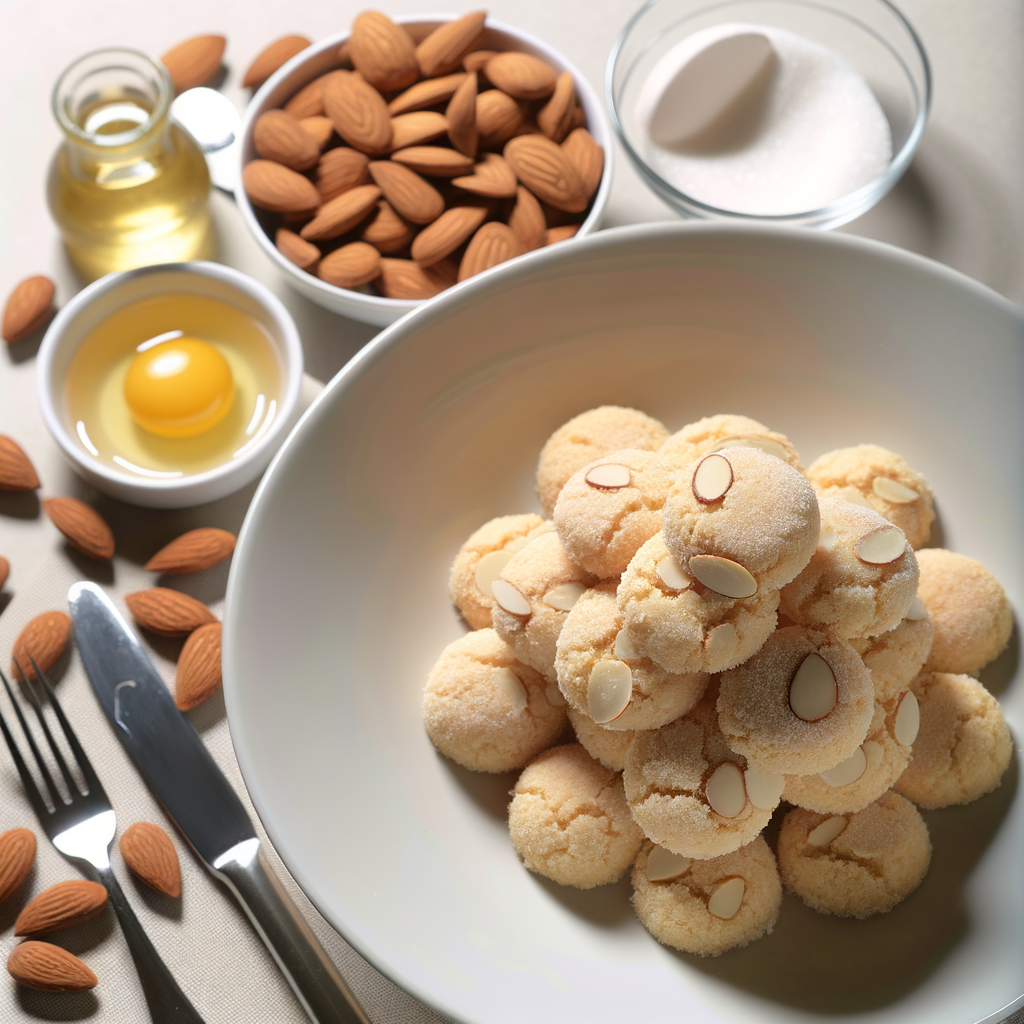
(383, 165)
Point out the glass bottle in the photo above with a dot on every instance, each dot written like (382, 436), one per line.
(128, 187)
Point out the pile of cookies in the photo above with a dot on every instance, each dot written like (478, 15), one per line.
(727, 634)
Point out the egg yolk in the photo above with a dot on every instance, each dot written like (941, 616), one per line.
(179, 388)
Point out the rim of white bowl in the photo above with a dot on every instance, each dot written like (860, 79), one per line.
(392, 336)
(291, 364)
(591, 101)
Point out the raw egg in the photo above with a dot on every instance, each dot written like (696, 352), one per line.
(179, 388)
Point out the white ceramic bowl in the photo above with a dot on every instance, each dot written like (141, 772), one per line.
(322, 57)
(94, 304)
(339, 588)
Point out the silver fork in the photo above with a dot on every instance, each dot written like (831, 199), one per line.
(82, 828)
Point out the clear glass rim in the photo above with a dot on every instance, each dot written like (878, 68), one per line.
(66, 82)
(837, 212)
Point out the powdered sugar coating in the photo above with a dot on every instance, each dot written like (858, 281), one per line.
(767, 521)
(608, 746)
(895, 658)
(724, 431)
(757, 721)
(842, 594)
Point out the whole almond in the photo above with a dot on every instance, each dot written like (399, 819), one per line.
(309, 100)
(28, 308)
(520, 75)
(195, 61)
(446, 234)
(492, 244)
(358, 111)
(320, 129)
(193, 551)
(168, 612)
(17, 855)
(339, 170)
(415, 128)
(61, 906)
(350, 266)
(444, 49)
(527, 221)
(16, 470)
(44, 639)
(435, 160)
(272, 186)
(404, 279)
(199, 672)
(426, 94)
(579, 118)
(546, 170)
(5, 571)
(561, 234)
(278, 53)
(492, 177)
(85, 529)
(497, 118)
(407, 192)
(555, 118)
(383, 52)
(476, 60)
(295, 248)
(279, 136)
(387, 232)
(587, 157)
(44, 966)
(148, 851)
(461, 115)
(342, 213)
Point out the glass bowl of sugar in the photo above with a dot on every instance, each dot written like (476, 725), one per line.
(801, 112)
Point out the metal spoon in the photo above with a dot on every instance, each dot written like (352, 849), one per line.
(212, 120)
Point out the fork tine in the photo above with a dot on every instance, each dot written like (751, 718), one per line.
(34, 796)
(30, 687)
(30, 785)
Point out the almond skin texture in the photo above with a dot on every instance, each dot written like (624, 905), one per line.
(556, 116)
(272, 186)
(527, 221)
(44, 966)
(350, 266)
(195, 61)
(28, 308)
(279, 136)
(199, 673)
(416, 128)
(498, 116)
(521, 76)
(150, 855)
(358, 111)
(587, 157)
(295, 248)
(426, 94)
(274, 56)
(44, 639)
(561, 234)
(546, 170)
(493, 177)
(193, 552)
(476, 60)
(461, 114)
(407, 192)
(5, 571)
(168, 612)
(342, 213)
(320, 129)
(387, 232)
(85, 529)
(492, 244)
(446, 234)
(383, 52)
(433, 160)
(444, 49)
(16, 470)
(309, 100)
(404, 279)
(339, 170)
(17, 855)
(61, 906)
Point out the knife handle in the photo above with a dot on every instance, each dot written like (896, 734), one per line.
(308, 969)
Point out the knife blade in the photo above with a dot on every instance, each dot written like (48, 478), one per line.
(184, 777)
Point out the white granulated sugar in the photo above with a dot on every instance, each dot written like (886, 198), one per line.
(815, 132)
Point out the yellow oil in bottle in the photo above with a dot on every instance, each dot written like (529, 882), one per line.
(128, 187)
(97, 407)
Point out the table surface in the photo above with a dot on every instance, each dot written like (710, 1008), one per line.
(959, 203)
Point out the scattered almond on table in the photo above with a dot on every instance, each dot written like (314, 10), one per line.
(199, 667)
(193, 551)
(150, 855)
(168, 612)
(195, 61)
(44, 966)
(43, 639)
(85, 529)
(61, 906)
(5, 571)
(28, 307)
(16, 470)
(17, 855)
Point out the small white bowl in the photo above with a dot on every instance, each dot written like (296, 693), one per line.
(322, 57)
(104, 297)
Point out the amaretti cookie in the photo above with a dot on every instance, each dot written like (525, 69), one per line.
(894, 658)
(800, 706)
(741, 521)
(707, 906)
(972, 616)
(609, 508)
(855, 865)
(861, 579)
(587, 437)
(601, 675)
(533, 595)
(608, 746)
(481, 559)
(569, 820)
(673, 619)
(963, 746)
(693, 795)
(485, 709)
(724, 431)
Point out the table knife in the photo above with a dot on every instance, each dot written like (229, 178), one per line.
(199, 799)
